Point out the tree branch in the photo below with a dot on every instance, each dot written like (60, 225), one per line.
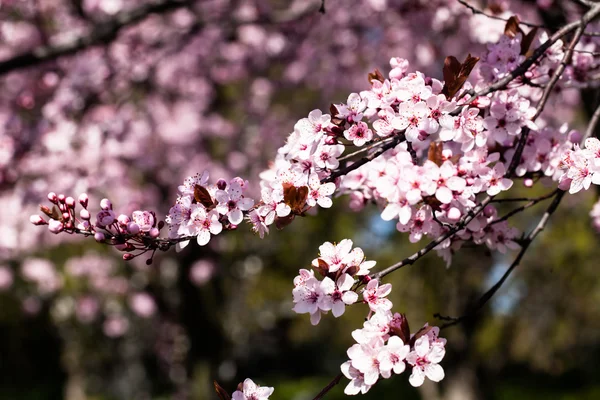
(102, 33)
(524, 246)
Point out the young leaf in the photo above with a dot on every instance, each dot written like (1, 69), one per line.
(202, 196)
(295, 197)
(375, 76)
(222, 393)
(435, 153)
(512, 27)
(456, 74)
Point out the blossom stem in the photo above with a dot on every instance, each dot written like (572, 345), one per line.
(329, 386)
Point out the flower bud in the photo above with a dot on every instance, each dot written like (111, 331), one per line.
(105, 217)
(331, 140)
(61, 197)
(83, 200)
(528, 182)
(221, 184)
(37, 220)
(133, 228)
(84, 225)
(66, 216)
(489, 211)
(99, 237)
(575, 136)
(105, 204)
(154, 233)
(565, 184)
(55, 226)
(70, 202)
(128, 256)
(52, 197)
(84, 214)
(123, 219)
(453, 214)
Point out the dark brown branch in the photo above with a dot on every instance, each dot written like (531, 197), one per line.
(434, 243)
(589, 132)
(514, 163)
(522, 208)
(525, 243)
(329, 386)
(365, 148)
(538, 52)
(364, 160)
(475, 10)
(100, 34)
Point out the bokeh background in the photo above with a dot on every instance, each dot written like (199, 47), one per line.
(155, 91)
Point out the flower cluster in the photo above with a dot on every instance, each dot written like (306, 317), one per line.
(385, 345)
(126, 233)
(202, 209)
(338, 264)
(581, 167)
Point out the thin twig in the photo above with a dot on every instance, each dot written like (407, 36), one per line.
(592, 125)
(522, 208)
(475, 10)
(329, 386)
(364, 160)
(365, 148)
(434, 243)
(525, 243)
(537, 53)
(102, 33)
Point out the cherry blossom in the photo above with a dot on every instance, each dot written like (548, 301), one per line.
(391, 357)
(252, 391)
(374, 295)
(201, 224)
(424, 360)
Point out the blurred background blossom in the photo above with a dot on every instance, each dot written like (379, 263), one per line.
(184, 86)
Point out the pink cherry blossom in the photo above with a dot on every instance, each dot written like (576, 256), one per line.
(391, 357)
(424, 360)
(252, 391)
(374, 295)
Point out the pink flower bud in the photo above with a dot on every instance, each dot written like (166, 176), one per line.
(99, 237)
(70, 202)
(62, 198)
(221, 184)
(84, 214)
(565, 183)
(128, 256)
(66, 216)
(83, 200)
(575, 136)
(123, 219)
(133, 228)
(55, 226)
(52, 197)
(154, 232)
(105, 217)
(331, 140)
(37, 220)
(84, 225)
(454, 214)
(489, 211)
(105, 204)
(528, 182)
